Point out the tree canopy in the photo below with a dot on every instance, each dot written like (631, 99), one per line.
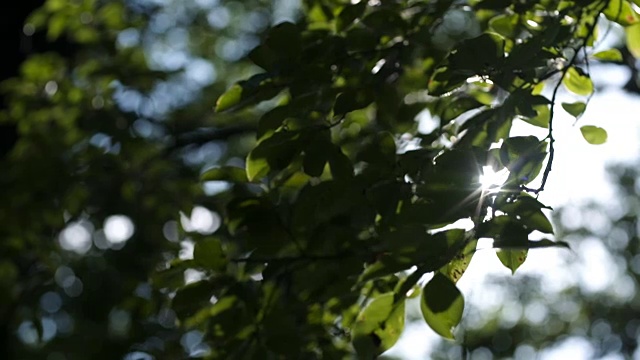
(350, 152)
(590, 321)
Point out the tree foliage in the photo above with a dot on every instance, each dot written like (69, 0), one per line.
(597, 319)
(342, 203)
(339, 152)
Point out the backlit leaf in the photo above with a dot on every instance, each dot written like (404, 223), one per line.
(575, 109)
(542, 116)
(259, 87)
(225, 173)
(633, 40)
(613, 55)
(593, 134)
(442, 305)
(577, 82)
(504, 25)
(273, 153)
(378, 326)
(229, 99)
(528, 211)
(621, 12)
(512, 259)
(256, 167)
(459, 264)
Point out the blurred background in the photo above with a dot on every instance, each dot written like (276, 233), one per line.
(115, 105)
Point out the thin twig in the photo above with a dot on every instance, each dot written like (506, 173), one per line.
(292, 259)
(554, 96)
(204, 136)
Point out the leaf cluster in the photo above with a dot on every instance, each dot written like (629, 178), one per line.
(351, 203)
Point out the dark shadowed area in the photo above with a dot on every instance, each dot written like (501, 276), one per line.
(288, 179)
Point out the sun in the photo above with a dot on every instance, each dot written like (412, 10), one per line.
(491, 180)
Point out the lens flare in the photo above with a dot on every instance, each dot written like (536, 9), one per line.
(491, 180)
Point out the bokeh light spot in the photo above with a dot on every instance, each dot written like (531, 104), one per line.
(75, 237)
(118, 229)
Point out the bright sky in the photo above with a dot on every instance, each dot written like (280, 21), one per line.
(578, 176)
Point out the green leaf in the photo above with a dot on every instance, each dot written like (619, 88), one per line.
(385, 22)
(191, 298)
(351, 100)
(633, 40)
(593, 134)
(273, 153)
(340, 165)
(264, 57)
(504, 25)
(380, 151)
(523, 156)
(385, 197)
(448, 108)
(284, 39)
(577, 82)
(621, 12)
(257, 167)
(412, 245)
(229, 99)
(272, 120)
(360, 39)
(225, 173)
(208, 254)
(512, 259)
(576, 109)
(280, 325)
(531, 54)
(329, 199)
(493, 4)
(57, 24)
(314, 160)
(537, 221)
(528, 211)
(378, 326)
(442, 305)
(259, 87)
(478, 56)
(541, 119)
(172, 277)
(613, 55)
(459, 264)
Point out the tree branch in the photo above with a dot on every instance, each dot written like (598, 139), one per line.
(292, 259)
(207, 135)
(554, 96)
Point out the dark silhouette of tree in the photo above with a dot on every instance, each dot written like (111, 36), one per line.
(293, 216)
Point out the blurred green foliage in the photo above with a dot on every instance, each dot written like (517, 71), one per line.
(292, 217)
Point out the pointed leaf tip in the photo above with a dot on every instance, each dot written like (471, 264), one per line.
(225, 173)
(576, 109)
(613, 55)
(512, 259)
(230, 98)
